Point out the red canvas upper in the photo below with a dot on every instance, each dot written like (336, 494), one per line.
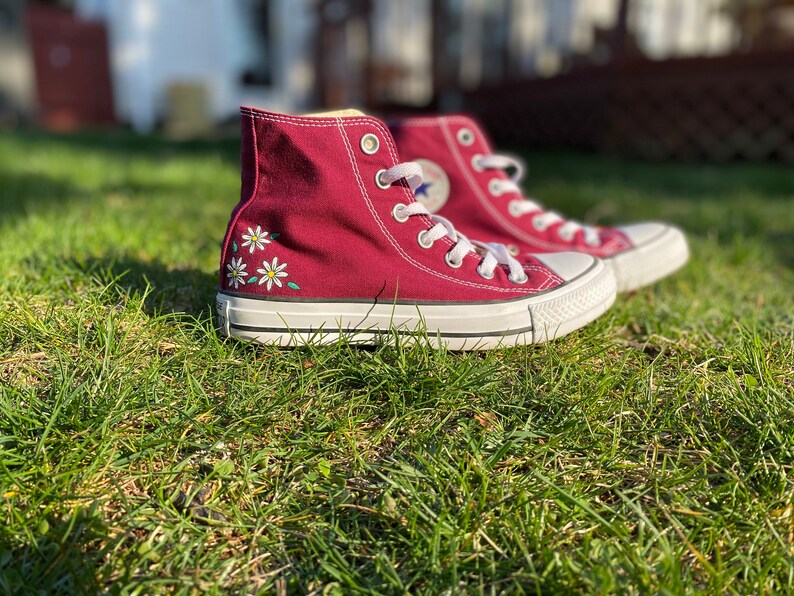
(313, 224)
(446, 147)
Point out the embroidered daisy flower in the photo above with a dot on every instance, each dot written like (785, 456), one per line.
(237, 272)
(271, 273)
(255, 239)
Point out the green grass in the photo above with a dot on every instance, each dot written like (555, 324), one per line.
(139, 451)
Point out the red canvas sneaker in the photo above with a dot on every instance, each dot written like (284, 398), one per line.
(328, 239)
(465, 181)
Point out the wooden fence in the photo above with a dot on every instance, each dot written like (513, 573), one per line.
(659, 79)
(722, 108)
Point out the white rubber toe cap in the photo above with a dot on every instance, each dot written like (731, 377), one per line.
(568, 265)
(642, 233)
(658, 250)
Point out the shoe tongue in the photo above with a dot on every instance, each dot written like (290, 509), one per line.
(348, 113)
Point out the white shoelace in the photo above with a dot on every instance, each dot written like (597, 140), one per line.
(492, 254)
(541, 219)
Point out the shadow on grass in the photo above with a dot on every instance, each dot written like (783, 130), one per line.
(165, 289)
(62, 556)
(22, 193)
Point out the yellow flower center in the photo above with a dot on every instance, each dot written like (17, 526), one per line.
(271, 274)
(234, 272)
(254, 238)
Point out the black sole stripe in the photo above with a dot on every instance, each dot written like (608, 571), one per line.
(505, 333)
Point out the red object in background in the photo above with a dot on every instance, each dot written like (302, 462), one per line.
(467, 183)
(72, 68)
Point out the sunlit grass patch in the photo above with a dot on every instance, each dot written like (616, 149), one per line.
(651, 451)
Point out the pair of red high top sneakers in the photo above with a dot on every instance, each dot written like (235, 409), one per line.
(329, 238)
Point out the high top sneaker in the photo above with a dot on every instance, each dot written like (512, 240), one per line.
(465, 181)
(328, 239)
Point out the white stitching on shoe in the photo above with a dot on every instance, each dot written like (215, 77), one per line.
(488, 204)
(542, 218)
(342, 125)
(351, 156)
(616, 243)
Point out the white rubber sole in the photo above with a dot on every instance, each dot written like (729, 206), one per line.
(456, 326)
(651, 261)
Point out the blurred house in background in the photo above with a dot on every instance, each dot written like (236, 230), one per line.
(659, 79)
(189, 63)
(16, 71)
(656, 78)
(206, 57)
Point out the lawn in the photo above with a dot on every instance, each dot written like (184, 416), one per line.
(652, 451)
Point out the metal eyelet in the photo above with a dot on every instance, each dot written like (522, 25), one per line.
(593, 242)
(514, 208)
(465, 137)
(565, 234)
(369, 144)
(512, 250)
(475, 163)
(454, 264)
(481, 274)
(520, 280)
(540, 227)
(421, 238)
(382, 185)
(494, 187)
(396, 215)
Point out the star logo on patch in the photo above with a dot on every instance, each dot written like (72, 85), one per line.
(434, 190)
(422, 190)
